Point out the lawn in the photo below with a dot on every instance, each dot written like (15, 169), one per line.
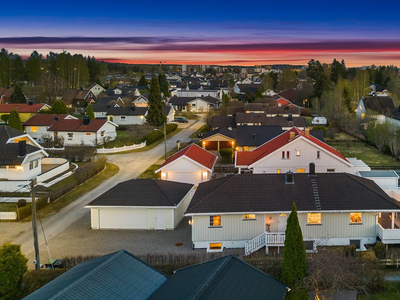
(370, 155)
(391, 292)
(123, 139)
(202, 129)
(6, 207)
(149, 173)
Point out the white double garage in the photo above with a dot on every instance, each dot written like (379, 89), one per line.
(133, 218)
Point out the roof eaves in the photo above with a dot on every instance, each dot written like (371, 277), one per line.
(156, 182)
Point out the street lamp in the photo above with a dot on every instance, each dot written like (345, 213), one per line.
(165, 138)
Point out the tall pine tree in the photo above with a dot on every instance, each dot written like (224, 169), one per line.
(294, 266)
(89, 111)
(155, 115)
(162, 80)
(142, 81)
(18, 96)
(14, 121)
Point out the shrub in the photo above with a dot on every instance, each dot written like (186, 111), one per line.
(62, 190)
(350, 250)
(21, 203)
(322, 128)
(157, 134)
(25, 211)
(380, 250)
(226, 154)
(88, 170)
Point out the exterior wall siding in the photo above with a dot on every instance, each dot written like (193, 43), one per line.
(180, 210)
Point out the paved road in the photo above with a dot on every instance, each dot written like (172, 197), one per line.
(131, 165)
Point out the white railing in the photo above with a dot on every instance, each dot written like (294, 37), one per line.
(120, 149)
(54, 149)
(254, 244)
(388, 236)
(264, 239)
(8, 215)
(277, 238)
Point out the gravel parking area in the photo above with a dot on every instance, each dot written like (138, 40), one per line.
(80, 239)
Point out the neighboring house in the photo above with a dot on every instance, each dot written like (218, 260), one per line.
(141, 204)
(169, 113)
(224, 278)
(293, 151)
(78, 98)
(114, 276)
(83, 132)
(272, 111)
(378, 90)
(386, 179)
(259, 119)
(250, 211)
(200, 92)
(20, 159)
(102, 106)
(379, 106)
(218, 139)
(127, 115)
(38, 124)
(197, 104)
(5, 94)
(249, 138)
(242, 88)
(228, 122)
(192, 165)
(25, 111)
(287, 122)
(140, 100)
(96, 89)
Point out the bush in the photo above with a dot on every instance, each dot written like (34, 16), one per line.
(25, 211)
(157, 134)
(62, 190)
(35, 279)
(88, 170)
(322, 128)
(21, 203)
(226, 154)
(380, 250)
(350, 250)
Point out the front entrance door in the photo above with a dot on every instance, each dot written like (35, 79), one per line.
(282, 219)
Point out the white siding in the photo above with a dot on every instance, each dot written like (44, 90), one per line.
(128, 120)
(184, 170)
(122, 218)
(180, 210)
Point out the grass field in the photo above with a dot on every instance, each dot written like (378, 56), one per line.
(149, 173)
(391, 292)
(7, 207)
(123, 139)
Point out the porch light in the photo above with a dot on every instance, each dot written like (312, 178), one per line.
(204, 143)
(163, 175)
(20, 167)
(204, 175)
(191, 221)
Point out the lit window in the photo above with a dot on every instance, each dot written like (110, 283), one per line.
(245, 148)
(318, 154)
(215, 220)
(102, 133)
(34, 129)
(314, 218)
(249, 216)
(278, 171)
(215, 246)
(297, 152)
(301, 170)
(88, 133)
(355, 218)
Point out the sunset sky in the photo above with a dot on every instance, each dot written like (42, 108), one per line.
(207, 32)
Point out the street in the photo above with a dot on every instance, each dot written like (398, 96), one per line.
(131, 165)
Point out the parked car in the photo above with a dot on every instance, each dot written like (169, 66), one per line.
(181, 120)
(319, 121)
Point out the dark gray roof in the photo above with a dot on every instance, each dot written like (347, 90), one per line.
(118, 275)
(256, 135)
(9, 152)
(223, 121)
(285, 122)
(270, 193)
(127, 111)
(185, 100)
(166, 109)
(251, 118)
(144, 192)
(223, 131)
(234, 110)
(110, 100)
(227, 278)
(382, 105)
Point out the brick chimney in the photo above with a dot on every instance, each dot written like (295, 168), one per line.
(307, 132)
(291, 136)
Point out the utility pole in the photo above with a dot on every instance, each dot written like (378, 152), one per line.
(165, 140)
(34, 226)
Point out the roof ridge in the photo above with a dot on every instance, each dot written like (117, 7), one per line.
(215, 190)
(112, 256)
(162, 191)
(225, 260)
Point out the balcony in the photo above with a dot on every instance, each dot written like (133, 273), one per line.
(388, 228)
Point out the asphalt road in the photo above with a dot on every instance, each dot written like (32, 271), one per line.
(131, 166)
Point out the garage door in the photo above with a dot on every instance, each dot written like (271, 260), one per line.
(123, 218)
(225, 144)
(212, 145)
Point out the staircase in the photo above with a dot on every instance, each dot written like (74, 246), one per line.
(264, 239)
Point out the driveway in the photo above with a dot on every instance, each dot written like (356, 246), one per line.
(65, 230)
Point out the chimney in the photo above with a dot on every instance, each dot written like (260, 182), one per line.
(289, 178)
(56, 119)
(86, 120)
(254, 136)
(291, 137)
(312, 169)
(30, 102)
(81, 88)
(307, 132)
(21, 148)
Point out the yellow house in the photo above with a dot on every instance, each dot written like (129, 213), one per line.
(25, 110)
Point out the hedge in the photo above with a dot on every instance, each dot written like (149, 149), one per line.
(226, 154)
(157, 134)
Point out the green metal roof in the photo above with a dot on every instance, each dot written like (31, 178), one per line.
(379, 173)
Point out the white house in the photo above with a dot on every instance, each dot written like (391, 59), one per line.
(96, 89)
(20, 159)
(250, 211)
(196, 104)
(127, 115)
(83, 132)
(379, 106)
(141, 204)
(199, 93)
(294, 150)
(192, 165)
(37, 125)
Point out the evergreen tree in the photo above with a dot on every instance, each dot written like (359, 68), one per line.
(294, 266)
(18, 96)
(259, 94)
(59, 107)
(155, 115)
(162, 80)
(14, 121)
(12, 268)
(89, 111)
(142, 81)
